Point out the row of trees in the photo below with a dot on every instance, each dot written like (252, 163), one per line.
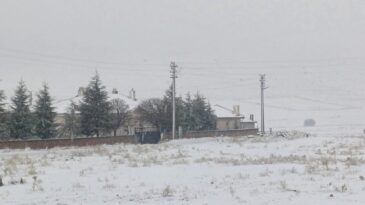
(95, 115)
(20, 122)
(192, 113)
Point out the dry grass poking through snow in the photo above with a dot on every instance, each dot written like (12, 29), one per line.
(283, 168)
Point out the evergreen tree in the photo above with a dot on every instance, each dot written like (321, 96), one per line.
(44, 115)
(198, 106)
(199, 114)
(3, 116)
(210, 122)
(179, 115)
(188, 121)
(2, 104)
(21, 122)
(95, 109)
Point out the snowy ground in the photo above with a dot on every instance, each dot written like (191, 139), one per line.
(295, 169)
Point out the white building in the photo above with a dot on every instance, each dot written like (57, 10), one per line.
(232, 119)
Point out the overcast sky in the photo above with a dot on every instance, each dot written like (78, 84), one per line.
(131, 43)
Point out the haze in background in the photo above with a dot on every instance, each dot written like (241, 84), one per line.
(312, 51)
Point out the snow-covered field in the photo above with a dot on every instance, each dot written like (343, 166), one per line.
(295, 169)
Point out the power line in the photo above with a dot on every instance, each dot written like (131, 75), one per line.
(78, 65)
(270, 62)
(232, 65)
(64, 58)
(275, 66)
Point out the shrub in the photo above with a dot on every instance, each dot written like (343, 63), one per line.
(36, 186)
(283, 185)
(309, 123)
(167, 191)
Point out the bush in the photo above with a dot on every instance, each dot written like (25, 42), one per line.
(167, 192)
(309, 123)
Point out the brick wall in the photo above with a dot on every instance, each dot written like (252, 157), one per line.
(50, 143)
(215, 133)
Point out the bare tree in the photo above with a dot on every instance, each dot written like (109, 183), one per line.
(120, 114)
(71, 127)
(154, 112)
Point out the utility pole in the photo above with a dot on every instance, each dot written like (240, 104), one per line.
(263, 87)
(173, 76)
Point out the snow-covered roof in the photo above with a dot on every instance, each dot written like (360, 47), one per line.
(62, 105)
(132, 103)
(221, 112)
(225, 112)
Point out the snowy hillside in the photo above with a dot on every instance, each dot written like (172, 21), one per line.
(295, 169)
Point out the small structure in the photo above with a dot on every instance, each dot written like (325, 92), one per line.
(233, 119)
(234, 123)
(249, 123)
(147, 135)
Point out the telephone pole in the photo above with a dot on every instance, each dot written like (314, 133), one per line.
(263, 87)
(173, 76)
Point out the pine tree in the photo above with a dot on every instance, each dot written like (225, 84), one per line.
(2, 104)
(198, 114)
(21, 121)
(188, 121)
(95, 109)
(198, 106)
(3, 116)
(210, 118)
(44, 115)
(167, 103)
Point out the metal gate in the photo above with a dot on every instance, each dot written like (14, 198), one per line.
(148, 135)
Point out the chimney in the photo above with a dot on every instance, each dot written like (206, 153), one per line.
(132, 94)
(236, 110)
(80, 92)
(252, 117)
(114, 91)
